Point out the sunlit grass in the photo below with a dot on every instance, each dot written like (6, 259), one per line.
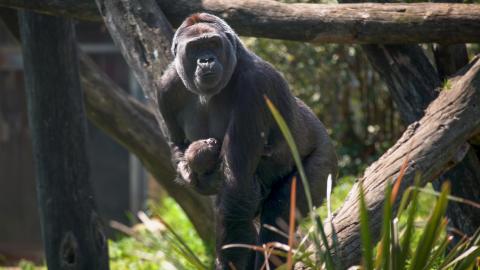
(156, 244)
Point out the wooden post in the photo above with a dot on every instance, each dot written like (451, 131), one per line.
(72, 232)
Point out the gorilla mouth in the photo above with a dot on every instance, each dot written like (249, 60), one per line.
(208, 75)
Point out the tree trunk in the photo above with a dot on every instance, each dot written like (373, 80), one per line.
(317, 23)
(449, 59)
(72, 231)
(433, 144)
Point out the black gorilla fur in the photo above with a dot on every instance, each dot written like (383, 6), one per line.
(215, 89)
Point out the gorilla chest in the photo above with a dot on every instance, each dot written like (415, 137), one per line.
(202, 121)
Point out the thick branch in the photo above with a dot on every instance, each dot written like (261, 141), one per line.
(317, 23)
(449, 59)
(432, 145)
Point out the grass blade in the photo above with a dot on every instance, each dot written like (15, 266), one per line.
(383, 256)
(291, 232)
(178, 242)
(431, 231)
(467, 258)
(440, 251)
(410, 225)
(450, 197)
(293, 149)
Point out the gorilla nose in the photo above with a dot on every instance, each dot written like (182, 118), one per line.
(205, 60)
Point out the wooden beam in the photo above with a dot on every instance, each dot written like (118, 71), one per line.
(317, 23)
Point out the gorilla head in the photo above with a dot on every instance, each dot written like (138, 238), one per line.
(205, 54)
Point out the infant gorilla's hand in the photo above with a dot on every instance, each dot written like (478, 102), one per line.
(203, 155)
(203, 159)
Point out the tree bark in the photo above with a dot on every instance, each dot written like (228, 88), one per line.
(465, 178)
(409, 75)
(317, 23)
(71, 229)
(432, 145)
(449, 59)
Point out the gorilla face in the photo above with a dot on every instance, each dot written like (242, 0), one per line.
(205, 58)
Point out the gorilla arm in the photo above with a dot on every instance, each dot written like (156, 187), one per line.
(170, 97)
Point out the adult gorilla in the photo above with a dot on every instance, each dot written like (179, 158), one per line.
(214, 92)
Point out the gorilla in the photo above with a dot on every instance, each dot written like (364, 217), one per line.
(225, 142)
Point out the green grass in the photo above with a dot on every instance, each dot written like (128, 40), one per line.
(146, 249)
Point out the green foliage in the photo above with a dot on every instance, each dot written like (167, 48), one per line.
(171, 213)
(26, 265)
(155, 244)
(339, 84)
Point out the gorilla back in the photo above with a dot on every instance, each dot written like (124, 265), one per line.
(215, 88)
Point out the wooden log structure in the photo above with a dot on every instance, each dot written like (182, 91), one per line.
(433, 144)
(362, 23)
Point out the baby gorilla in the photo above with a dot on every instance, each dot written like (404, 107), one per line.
(203, 158)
